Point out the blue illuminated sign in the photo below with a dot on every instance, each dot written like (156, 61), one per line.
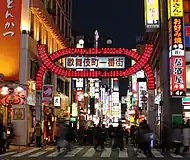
(187, 35)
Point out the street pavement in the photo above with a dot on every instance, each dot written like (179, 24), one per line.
(84, 152)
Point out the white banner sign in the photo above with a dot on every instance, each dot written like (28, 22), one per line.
(95, 62)
(57, 101)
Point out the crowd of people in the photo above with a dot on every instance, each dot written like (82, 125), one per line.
(141, 136)
(97, 135)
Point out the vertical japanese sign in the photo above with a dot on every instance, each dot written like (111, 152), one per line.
(176, 49)
(152, 19)
(10, 38)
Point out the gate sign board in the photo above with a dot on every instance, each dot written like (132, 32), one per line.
(95, 62)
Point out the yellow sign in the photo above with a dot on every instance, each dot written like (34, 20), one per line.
(176, 8)
(169, 9)
(152, 13)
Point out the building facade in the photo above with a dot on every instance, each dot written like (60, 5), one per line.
(33, 21)
(168, 107)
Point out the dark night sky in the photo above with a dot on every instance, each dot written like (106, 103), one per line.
(120, 20)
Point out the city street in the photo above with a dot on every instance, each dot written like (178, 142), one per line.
(84, 152)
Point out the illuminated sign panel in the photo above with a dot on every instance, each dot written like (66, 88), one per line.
(10, 38)
(176, 49)
(175, 8)
(177, 76)
(152, 14)
(177, 57)
(176, 40)
(187, 35)
(95, 62)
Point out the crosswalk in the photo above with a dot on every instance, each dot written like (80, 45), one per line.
(84, 152)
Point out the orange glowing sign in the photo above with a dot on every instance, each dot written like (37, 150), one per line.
(10, 38)
(177, 31)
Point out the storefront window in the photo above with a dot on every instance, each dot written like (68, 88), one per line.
(67, 88)
(48, 78)
(32, 25)
(60, 85)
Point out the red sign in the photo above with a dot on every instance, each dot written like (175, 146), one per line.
(47, 93)
(48, 63)
(177, 76)
(177, 58)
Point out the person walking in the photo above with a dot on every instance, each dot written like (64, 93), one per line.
(111, 133)
(119, 135)
(186, 136)
(38, 134)
(144, 139)
(176, 138)
(98, 137)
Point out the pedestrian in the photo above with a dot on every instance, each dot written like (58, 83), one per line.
(126, 136)
(119, 135)
(4, 139)
(176, 138)
(81, 132)
(38, 134)
(62, 140)
(186, 136)
(111, 133)
(144, 139)
(70, 137)
(99, 137)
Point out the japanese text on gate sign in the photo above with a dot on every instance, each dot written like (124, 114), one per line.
(9, 24)
(95, 62)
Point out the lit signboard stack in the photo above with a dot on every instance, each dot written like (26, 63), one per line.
(152, 20)
(176, 48)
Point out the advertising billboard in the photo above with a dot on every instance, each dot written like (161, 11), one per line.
(152, 14)
(10, 39)
(176, 49)
(95, 62)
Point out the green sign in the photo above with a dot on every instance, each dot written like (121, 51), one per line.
(73, 119)
(186, 101)
(177, 119)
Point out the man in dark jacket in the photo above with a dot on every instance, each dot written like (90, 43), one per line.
(119, 135)
(98, 137)
(144, 131)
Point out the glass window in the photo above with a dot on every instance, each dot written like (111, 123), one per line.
(40, 31)
(31, 69)
(187, 18)
(67, 88)
(186, 5)
(58, 16)
(60, 85)
(48, 77)
(46, 37)
(66, 30)
(32, 25)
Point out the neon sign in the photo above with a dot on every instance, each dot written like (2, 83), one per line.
(48, 63)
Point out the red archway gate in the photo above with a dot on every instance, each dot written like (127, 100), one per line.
(48, 63)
